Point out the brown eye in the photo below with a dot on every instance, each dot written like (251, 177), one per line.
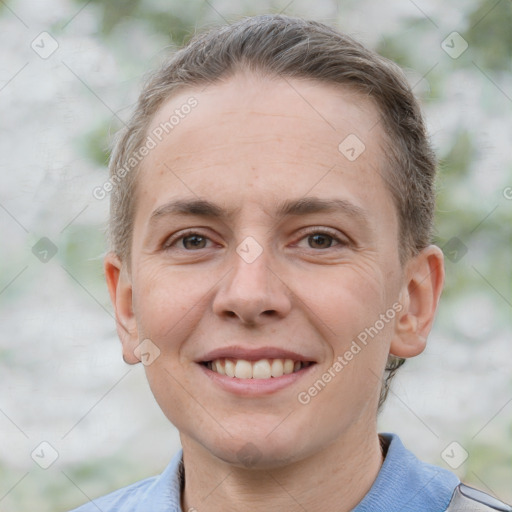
(320, 241)
(194, 242)
(188, 241)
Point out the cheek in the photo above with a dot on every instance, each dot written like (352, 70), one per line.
(166, 301)
(173, 393)
(346, 300)
(349, 310)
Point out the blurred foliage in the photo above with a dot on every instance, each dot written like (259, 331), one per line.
(455, 165)
(96, 144)
(52, 488)
(81, 251)
(492, 17)
(394, 49)
(459, 213)
(177, 24)
(484, 468)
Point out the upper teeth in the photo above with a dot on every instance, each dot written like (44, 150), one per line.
(262, 369)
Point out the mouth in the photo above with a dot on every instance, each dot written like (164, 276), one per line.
(253, 372)
(259, 369)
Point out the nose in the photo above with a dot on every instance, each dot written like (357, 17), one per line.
(252, 292)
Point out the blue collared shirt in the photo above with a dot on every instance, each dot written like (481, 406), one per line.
(404, 484)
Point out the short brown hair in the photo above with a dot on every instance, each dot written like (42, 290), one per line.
(279, 45)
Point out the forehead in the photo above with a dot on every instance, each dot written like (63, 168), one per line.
(323, 113)
(253, 140)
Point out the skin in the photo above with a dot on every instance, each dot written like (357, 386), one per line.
(251, 143)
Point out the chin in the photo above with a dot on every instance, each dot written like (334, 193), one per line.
(255, 456)
(264, 451)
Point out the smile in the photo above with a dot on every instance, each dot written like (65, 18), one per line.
(260, 369)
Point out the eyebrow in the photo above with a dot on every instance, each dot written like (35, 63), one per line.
(309, 205)
(197, 207)
(302, 206)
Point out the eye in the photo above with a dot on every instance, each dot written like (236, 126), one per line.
(194, 241)
(188, 241)
(323, 239)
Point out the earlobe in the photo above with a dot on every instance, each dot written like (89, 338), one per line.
(120, 290)
(424, 279)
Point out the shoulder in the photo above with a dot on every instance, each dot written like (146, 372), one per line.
(408, 484)
(129, 495)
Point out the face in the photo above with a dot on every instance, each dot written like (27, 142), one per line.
(262, 250)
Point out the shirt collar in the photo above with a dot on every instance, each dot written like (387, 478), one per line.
(406, 484)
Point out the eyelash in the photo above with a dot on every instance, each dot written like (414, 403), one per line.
(314, 231)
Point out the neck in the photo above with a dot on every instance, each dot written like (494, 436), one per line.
(335, 479)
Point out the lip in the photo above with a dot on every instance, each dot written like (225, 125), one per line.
(255, 387)
(253, 354)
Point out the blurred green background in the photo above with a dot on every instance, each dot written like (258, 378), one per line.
(63, 380)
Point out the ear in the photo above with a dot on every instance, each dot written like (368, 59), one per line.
(424, 279)
(120, 290)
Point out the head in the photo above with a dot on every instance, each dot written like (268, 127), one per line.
(282, 206)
